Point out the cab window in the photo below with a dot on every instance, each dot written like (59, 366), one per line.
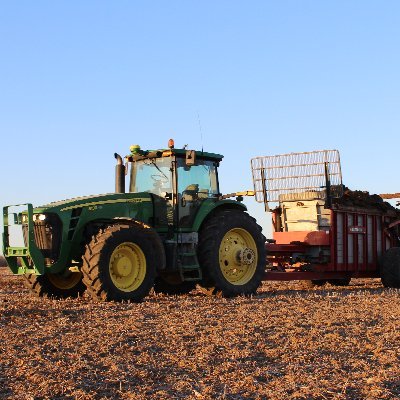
(200, 178)
(152, 175)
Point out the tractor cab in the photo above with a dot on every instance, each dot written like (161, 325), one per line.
(179, 180)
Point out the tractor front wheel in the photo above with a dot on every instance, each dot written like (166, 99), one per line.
(61, 285)
(120, 263)
(231, 253)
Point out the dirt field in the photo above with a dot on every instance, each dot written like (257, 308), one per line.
(284, 343)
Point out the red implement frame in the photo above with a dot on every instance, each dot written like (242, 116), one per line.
(355, 241)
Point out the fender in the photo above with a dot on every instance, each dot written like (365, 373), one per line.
(210, 207)
(150, 232)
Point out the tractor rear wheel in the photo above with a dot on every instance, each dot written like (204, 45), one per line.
(390, 268)
(120, 263)
(62, 285)
(231, 253)
(171, 284)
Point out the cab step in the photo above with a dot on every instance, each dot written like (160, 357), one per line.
(189, 267)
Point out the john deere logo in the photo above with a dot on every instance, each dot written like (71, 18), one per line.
(93, 208)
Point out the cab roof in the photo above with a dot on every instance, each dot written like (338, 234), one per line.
(138, 154)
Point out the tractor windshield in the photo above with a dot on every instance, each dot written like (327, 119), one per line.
(152, 175)
(201, 178)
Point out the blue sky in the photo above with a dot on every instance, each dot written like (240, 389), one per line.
(80, 80)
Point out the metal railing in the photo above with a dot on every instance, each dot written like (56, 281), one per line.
(297, 176)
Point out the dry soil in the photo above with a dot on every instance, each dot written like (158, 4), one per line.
(284, 343)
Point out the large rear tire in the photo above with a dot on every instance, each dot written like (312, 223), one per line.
(61, 286)
(390, 268)
(120, 263)
(231, 253)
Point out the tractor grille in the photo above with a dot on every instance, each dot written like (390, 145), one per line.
(47, 237)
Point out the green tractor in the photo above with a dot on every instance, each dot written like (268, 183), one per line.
(171, 230)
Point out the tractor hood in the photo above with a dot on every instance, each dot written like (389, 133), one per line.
(90, 201)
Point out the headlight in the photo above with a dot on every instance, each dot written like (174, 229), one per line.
(39, 217)
(24, 219)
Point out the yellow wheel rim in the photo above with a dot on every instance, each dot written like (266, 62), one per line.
(65, 281)
(238, 256)
(127, 267)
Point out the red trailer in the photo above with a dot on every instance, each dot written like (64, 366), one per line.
(323, 232)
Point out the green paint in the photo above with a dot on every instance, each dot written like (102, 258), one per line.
(74, 221)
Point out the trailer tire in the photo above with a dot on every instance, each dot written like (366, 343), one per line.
(390, 268)
(231, 252)
(120, 263)
(60, 286)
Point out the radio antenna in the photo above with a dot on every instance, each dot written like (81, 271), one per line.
(201, 131)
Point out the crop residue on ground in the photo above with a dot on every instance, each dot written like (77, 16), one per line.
(285, 342)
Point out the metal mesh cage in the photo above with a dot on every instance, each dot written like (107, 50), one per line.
(296, 176)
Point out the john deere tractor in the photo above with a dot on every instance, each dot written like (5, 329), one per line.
(171, 230)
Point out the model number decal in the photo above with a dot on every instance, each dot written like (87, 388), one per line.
(357, 229)
(99, 203)
(93, 208)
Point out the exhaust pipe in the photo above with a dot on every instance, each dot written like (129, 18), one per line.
(119, 175)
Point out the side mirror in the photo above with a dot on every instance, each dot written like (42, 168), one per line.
(190, 157)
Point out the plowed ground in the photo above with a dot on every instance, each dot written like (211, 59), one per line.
(284, 343)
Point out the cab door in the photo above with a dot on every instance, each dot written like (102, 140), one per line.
(195, 183)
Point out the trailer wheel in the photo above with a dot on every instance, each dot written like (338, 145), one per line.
(340, 282)
(63, 285)
(120, 263)
(231, 253)
(172, 285)
(390, 268)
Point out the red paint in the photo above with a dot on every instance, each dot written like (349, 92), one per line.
(312, 238)
(318, 250)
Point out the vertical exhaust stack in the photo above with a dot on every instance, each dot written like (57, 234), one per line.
(119, 175)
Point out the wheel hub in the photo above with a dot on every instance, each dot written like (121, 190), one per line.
(237, 256)
(123, 266)
(246, 256)
(127, 266)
